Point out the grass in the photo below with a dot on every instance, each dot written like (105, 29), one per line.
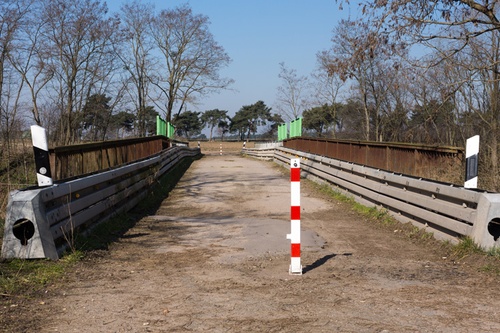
(467, 247)
(20, 276)
(373, 213)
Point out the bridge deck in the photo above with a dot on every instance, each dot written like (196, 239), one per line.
(215, 257)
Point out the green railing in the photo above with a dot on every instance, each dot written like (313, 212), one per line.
(164, 128)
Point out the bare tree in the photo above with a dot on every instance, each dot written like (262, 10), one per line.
(192, 58)
(12, 14)
(291, 96)
(136, 55)
(458, 22)
(80, 36)
(29, 58)
(327, 87)
(364, 67)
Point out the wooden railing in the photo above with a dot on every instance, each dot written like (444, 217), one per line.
(445, 164)
(81, 159)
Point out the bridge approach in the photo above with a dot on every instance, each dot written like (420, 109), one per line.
(214, 257)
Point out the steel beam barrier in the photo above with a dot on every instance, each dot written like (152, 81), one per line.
(40, 222)
(448, 211)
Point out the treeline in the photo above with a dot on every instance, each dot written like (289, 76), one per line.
(86, 74)
(412, 71)
(423, 72)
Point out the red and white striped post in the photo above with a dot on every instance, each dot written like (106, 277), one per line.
(294, 236)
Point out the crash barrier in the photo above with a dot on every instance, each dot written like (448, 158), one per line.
(41, 222)
(450, 212)
(268, 144)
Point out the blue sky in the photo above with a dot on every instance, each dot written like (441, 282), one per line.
(258, 35)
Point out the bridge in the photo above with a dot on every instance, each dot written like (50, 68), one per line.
(214, 257)
(105, 179)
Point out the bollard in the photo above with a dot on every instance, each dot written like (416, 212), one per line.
(220, 150)
(41, 150)
(294, 235)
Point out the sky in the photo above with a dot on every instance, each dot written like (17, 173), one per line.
(258, 35)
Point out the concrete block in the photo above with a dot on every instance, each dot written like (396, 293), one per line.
(486, 229)
(27, 234)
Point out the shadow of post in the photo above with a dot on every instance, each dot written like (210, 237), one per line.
(321, 261)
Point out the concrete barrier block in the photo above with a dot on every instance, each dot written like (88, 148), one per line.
(27, 234)
(486, 229)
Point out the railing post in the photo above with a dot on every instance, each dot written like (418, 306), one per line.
(41, 151)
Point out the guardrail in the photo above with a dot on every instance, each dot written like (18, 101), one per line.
(448, 211)
(40, 221)
(268, 144)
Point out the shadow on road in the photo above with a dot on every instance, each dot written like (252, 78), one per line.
(322, 261)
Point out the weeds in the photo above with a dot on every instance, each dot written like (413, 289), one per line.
(20, 275)
(494, 252)
(490, 268)
(466, 247)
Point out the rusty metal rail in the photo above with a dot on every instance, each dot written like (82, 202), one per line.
(76, 160)
(431, 162)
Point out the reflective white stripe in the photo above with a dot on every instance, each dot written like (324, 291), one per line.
(471, 183)
(43, 180)
(295, 163)
(472, 146)
(39, 137)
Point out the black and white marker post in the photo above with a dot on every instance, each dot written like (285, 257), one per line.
(471, 162)
(41, 150)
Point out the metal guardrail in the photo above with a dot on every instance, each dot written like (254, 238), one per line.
(268, 144)
(40, 222)
(448, 211)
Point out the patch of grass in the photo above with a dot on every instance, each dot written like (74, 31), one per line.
(491, 269)
(22, 276)
(494, 252)
(466, 247)
(374, 213)
(328, 190)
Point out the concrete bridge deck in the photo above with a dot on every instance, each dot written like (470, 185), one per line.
(214, 258)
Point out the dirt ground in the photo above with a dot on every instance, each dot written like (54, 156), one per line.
(215, 258)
